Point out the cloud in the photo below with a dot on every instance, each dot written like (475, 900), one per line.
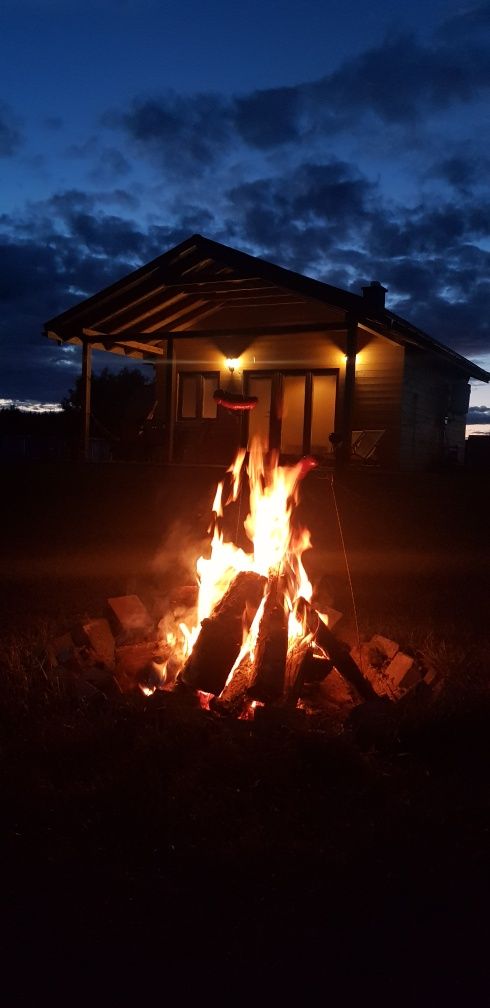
(273, 172)
(53, 255)
(269, 117)
(462, 172)
(467, 24)
(54, 123)
(301, 216)
(179, 132)
(402, 77)
(479, 415)
(10, 134)
(400, 84)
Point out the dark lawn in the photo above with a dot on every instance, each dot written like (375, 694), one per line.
(146, 839)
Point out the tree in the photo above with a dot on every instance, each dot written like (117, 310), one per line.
(120, 403)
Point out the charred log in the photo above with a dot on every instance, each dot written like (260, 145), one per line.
(233, 698)
(314, 669)
(338, 653)
(294, 664)
(220, 638)
(269, 666)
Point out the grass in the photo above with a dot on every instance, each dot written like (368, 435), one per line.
(150, 842)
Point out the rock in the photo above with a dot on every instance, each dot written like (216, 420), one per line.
(130, 619)
(98, 635)
(335, 691)
(134, 662)
(402, 672)
(387, 647)
(333, 616)
(363, 658)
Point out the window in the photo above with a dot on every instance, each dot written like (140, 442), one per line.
(195, 396)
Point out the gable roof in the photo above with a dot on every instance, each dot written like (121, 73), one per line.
(193, 287)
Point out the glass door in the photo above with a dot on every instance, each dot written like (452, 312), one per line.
(259, 420)
(295, 411)
(323, 396)
(293, 414)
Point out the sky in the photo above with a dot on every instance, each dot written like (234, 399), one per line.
(346, 140)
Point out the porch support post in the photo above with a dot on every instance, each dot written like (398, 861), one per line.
(170, 384)
(349, 391)
(86, 399)
(160, 390)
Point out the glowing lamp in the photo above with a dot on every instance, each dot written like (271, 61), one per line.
(232, 363)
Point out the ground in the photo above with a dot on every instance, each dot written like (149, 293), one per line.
(149, 841)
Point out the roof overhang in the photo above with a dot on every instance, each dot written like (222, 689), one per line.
(203, 288)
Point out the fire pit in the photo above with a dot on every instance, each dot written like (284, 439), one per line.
(248, 632)
(252, 635)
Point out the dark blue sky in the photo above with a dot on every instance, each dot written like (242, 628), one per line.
(342, 139)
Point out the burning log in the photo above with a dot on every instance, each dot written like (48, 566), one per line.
(338, 653)
(220, 638)
(233, 697)
(294, 664)
(314, 669)
(304, 668)
(269, 666)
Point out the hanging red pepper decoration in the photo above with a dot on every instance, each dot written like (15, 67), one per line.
(234, 400)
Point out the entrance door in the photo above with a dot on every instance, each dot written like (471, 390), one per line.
(259, 421)
(295, 411)
(293, 414)
(323, 395)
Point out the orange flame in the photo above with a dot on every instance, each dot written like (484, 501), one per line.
(278, 545)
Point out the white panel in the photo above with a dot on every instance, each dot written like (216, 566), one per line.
(322, 412)
(293, 415)
(209, 407)
(260, 415)
(189, 395)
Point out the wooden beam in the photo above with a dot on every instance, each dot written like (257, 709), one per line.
(161, 315)
(259, 330)
(144, 347)
(199, 316)
(343, 456)
(153, 307)
(220, 286)
(86, 401)
(135, 311)
(170, 401)
(104, 341)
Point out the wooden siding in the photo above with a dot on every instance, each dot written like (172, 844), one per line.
(295, 311)
(430, 432)
(379, 373)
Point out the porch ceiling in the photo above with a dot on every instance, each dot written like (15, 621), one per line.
(185, 291)
(202, 287)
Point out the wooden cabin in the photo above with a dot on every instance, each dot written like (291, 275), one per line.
(335, 374)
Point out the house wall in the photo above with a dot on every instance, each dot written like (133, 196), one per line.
(401, 391)
(433, 412)
(217, 440)
(378, 390)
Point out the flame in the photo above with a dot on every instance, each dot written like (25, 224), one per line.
(278, 545)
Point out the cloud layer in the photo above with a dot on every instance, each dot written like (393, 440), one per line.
(377, 170)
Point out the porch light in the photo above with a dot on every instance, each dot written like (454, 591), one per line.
(232, 364)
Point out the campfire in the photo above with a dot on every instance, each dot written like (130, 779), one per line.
(248, 632)
(253, 635)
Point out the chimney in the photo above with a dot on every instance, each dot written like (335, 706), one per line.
(374, 296)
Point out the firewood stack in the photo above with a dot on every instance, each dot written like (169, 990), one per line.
(220, 638)
(276, 674)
